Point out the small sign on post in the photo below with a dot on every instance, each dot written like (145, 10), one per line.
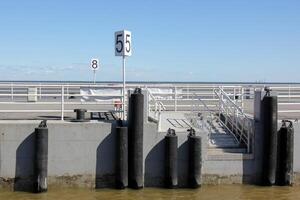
(123, 48)
(94, 66)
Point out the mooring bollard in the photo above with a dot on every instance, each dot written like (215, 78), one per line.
(195, 158)
(269, 130)
(41, 158)
(80, 115)
(285, 154)
(135, 136)
(121, 157)
(171, 167)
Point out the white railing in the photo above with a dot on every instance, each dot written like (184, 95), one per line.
(158, 106)
(288, 98)
(201, 111)
(234, 119)
(182, 97)
(164, 97)
(57, 97)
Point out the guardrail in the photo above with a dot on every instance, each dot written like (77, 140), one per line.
(201, 110)
(158, 107)
(181, 98)
(164, 97)
(288, 96)
(235, 120)
(59, 95)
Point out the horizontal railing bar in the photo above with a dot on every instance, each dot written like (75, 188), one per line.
(182, 105)
(59, 103)
(52, 111)
(59, 86)
(289, 111)
(119, 85)
(288, 96)
(66, 95)
(186, 99)
(288, 103)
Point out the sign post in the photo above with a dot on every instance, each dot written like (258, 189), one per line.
(123, 48)
(94, 66)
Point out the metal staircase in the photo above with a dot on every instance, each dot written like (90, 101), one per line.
(229, 128)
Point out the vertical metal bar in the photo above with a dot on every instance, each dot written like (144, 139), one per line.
(175, 98)
(242, 98)
(40, 91)
(68, 90)
(94, 77)
(124, 88)
(289, 93)
(220, 103)
(188, 92)
(234, 94)
(62, 102)
(193, 104)
(12, 91)
(159, 110)
(248, 141)
(235, 121)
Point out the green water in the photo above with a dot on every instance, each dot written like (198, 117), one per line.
(231, 192)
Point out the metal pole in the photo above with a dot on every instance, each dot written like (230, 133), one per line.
(62, 102)
(242, 97)
(68, 90)
(40, 91)
(12, 91)
(175, 98)
(124, 88)
(94, 78)
(289, 93)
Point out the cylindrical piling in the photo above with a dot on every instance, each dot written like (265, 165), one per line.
(41, 159)
(121, 157)
(269, 131)
(135, 136)
(171, 173)
(195, 158)
(285, 154)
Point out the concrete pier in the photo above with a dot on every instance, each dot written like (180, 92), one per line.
(82, 155)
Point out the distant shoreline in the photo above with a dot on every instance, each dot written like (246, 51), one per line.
(152, 82)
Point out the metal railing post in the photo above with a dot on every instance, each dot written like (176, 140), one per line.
(40, 91)
(12, 91)
(62, 102)
(242, 98)
(68, 95)
(220, 103)
(234, 94)
(289, 93)
(175, 98)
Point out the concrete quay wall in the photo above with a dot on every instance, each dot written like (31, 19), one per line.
(83, 155)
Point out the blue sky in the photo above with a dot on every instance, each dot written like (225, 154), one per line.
(216, 40)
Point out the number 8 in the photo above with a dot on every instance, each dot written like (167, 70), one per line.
(94, 64)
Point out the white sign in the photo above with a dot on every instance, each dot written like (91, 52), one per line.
(95, 64)
(123, 43)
